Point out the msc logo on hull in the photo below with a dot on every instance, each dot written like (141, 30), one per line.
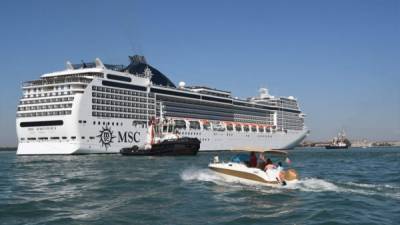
(106, 136)
(128, 137)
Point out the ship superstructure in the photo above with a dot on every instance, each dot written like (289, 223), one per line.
(101, 108)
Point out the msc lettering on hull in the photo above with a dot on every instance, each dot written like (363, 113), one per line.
(128, 136)
(106, 136)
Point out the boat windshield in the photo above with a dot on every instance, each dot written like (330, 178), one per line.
(242, 157)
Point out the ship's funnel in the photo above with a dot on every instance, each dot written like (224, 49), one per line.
(138, 59)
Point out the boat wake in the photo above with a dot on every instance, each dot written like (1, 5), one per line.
(312, 185)
(196, 174)
(308, 184)
(320, 185)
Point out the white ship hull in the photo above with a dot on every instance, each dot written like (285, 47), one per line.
(125, 136)
(102, 110)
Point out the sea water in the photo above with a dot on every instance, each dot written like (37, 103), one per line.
(355, 186)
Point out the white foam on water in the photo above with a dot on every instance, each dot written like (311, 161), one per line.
(192, 173)
(320, 185)
(376, 186)
(312, 185)
(387, 190)
(306, 184)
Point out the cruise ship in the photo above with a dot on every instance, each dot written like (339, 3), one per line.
(95, 107)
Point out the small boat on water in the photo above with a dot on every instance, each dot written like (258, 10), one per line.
(339, 142)
(171, 147)
(163, 140)
(260, 171)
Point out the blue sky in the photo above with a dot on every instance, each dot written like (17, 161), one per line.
(339, 58)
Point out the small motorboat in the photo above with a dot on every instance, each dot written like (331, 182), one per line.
(263, 173)
(170, 147)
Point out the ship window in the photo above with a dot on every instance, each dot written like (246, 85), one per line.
(170, 128)
(41, 123)
(246, 128)
(64, 138)
(83, 137)
(80, 121)
(229, 127)
(194, 125)
(43, 138)
(91, 138)
(121, 85)
(31, 139)
(55, 138)
(22, 139)
(180, 124)
(182, 94)
(260, 129)
(119, 78)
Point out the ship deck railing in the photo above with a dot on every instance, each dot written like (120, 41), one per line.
(57, 80)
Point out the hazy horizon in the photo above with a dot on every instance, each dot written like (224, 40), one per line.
(339, 58)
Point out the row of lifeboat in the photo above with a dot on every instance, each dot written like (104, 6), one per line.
(184, 123)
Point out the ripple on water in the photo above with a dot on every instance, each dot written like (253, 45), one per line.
(110, 189)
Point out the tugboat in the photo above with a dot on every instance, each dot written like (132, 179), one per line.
(339, 142)
(163, 140)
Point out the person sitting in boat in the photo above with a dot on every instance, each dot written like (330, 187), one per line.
(269, 165)
(253, 160)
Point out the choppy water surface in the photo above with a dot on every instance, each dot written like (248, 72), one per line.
(357, 186)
